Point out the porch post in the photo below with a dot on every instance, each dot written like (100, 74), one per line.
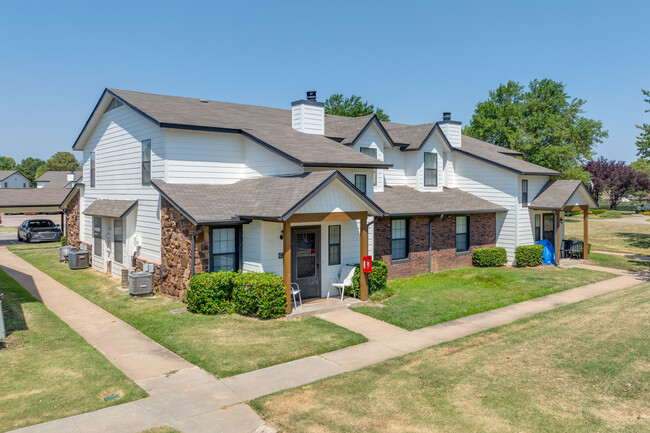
(585, 228)
(363, 242)
(557, 238)
(286, 262)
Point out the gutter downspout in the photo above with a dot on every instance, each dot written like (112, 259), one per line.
(194, 235)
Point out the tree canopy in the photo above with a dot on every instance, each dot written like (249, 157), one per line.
(642, 165)
(542, 122)
(616, 178)
(60, 161)
(7, 163)
(29, 166)
(643, 140)
(353, 106)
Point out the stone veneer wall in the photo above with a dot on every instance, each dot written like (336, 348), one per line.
(173, 272)
(73, 213)
(443, 239)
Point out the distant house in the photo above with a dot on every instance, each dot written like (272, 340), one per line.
(58, 179)
(191, 185)
(13, 179)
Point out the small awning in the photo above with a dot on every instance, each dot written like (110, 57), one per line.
(111, 208)
(561, 194)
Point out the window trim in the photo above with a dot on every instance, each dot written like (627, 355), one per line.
(330, 262)
(97, 251)
(145, 181)
(467, 234)
(238, 246)
(93, 169)
(435, 170)
(407, 248)
(116, 242)
(365, 183)
(537, 228)
(524, 192)
(374, 155)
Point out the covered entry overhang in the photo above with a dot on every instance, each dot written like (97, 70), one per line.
(565, 196)
(35, 200)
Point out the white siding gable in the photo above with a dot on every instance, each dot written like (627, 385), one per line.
(374, 139)
(15, 180)
(335, 197)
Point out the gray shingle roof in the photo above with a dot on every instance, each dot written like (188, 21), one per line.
(269, 198)
(404, 200)
(110, 208)
(270, 127)
(32, 197)
(57, 179)
(556, 193)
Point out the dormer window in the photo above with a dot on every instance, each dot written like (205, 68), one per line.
(430, 169)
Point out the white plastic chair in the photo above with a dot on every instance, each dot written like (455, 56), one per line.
(295, 291)
(345, 280)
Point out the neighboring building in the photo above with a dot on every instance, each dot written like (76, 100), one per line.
(58, 179)
(13, 179)
(191, 185)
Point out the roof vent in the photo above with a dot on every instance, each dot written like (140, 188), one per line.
(446, 116)
(205, 101)
(311, 95)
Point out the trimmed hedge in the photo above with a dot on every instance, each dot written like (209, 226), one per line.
(597, 211)
(489, 257)
(529, 255)
(63, 241)
(252, 293)
(611, 214)
(377, 279)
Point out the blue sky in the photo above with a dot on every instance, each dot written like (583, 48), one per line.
(413, 59)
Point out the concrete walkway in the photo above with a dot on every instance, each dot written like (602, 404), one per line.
(191, 400)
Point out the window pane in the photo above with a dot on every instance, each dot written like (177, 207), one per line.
(146, 150)
(461, 242)
(398, 229)
(369, 151)
(118, 231)
(335, 234)
(430, 160)
(461, 224)
(398, 248)
(360, 182)
(223, 262)
(223, 241)
(430, 177)
(335, 254)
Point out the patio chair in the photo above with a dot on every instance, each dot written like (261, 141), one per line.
(565, 248)
(295, 290)
(576, 250)
(345, 280)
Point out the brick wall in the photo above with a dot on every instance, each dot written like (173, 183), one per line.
(443, 240)
(176, 257)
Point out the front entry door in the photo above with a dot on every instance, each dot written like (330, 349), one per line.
(548, 226)
(305, 266)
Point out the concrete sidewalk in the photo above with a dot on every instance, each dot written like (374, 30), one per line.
(187, 398)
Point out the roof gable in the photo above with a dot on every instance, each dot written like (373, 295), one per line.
(558, 194)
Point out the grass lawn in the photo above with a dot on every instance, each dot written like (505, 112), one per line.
(619, 262)
(224, 345)
(162, 429)
(47, 371)
(428, 299)
(581, 368)
(618, 237)
(5, 229)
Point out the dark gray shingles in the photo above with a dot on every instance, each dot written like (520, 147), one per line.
(36, 197)
(57, 179)
(110, 208)
(556, 193)
(404, 200)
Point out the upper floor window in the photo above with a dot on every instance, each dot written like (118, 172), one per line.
(524, 193)
(97, 236)
(430, 169)
(399, 239)
(462, 233)
(146, 162)
(92, 169)
(370, 152)
(360, 182)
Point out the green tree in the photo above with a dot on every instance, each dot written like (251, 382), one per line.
(542, 122)
(352, 107)
(60, 161)
(643, 140)
(29, 166)
(7, 163)
(642, 165)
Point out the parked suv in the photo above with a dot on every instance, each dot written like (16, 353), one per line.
(39, 230)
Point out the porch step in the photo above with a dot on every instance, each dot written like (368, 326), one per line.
(320, 307)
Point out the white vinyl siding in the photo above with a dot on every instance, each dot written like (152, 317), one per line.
(526, 220)
(15, 180)
(374, 139)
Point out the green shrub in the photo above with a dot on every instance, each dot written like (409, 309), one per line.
(259, 294)
(529, 255)
(611, 214)
(598, 211)
(210, 292)
(627, 207)
(63, 241)
(489, 257)
(377, 279)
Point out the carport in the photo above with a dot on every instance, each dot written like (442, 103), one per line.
(35, 200)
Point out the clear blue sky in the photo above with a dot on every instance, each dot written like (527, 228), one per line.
(413, 59)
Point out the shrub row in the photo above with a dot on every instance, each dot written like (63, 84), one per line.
(252, 293)
(376, 279)
(489, 257)
(597, 211)
(529, 255)
(611, 214)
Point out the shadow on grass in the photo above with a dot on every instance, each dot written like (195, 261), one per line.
(14, 298)
(637, 240)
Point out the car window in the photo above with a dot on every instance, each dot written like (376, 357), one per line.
(40, 224)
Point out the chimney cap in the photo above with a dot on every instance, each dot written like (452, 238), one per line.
(311, 95)
(446, 116)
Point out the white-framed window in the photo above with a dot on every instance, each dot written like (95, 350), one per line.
(97, 236)
(538, 227)
(399, 239)
(92, 169)
(146, 162)
(462, 233)
(334, 244)
(524, 192)
(118, 241)
(430, 169)
(224, 249)
(360, 182)
(370, 151)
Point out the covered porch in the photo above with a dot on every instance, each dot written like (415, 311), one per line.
(550, 205)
